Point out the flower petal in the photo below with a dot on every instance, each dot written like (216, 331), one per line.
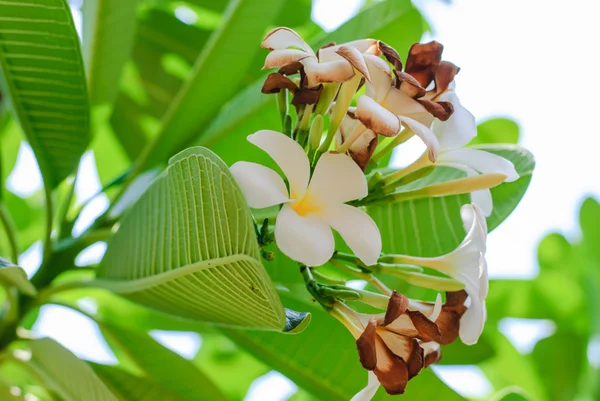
(283, 57)
(334, 71)
(368, 46)
(284, 38)
(400, 103)
(305, 239)
(473, 321)
(356, 59)
(483, 199)
(261, 186)
(288, 155)
(357, 229)
(482, 161)
(376, 118)
(381, 77)
(459, 129)
(367, 393)
(426, 135)
(337, 179)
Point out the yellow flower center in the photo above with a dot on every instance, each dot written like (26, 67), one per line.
(306, 205)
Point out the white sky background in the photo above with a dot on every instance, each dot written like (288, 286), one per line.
(531, 60)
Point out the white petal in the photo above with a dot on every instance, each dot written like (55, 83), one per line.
(261, 186)
(381, 77)
(400, 103)
(426, 135)
(284, 38)
(473, 321)
(482, 161)
(335, 71)
(279, 58)
(459, 129)
(288, 155)
(367, 393)
(356, 59)
(305, 239)
(337, 179)
(375, 117)
(483, 199)
(347, 127)
(357, 229)
(368, 46)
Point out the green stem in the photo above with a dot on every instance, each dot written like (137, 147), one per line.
(10, 229)
(64, 228)
(402, 137)
(49, 224)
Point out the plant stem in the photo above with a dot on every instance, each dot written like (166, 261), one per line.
(49, 223)
(402, 137)
(9, 228)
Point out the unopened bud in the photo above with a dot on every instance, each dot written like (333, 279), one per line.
(316, 132)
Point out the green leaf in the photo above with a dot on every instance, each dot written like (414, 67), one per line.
(324, 361)
(188, 247)
(109, 28)
(129, 387)
(215, 76)
(12, 275)
(44, 79)
(165, 368)
(10, 142)
(497, 130)
(432, 226)
(65, 374)
(510, 394)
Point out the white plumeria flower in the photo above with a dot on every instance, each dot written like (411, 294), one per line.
(288, 47)
(467, 265)
(313, 205)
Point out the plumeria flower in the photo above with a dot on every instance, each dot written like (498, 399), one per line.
(389, 345)
(467, 265)
(288, 48)
(313, 205)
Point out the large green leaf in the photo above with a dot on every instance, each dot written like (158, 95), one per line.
(323, 359)
(12, 275)
(215, 76)
(43, 76)
(432, 226)
(128, 387)
(65, 374)
(109, 28)
(167, 369)
(188, 247)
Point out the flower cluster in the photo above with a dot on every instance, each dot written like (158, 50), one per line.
(345, 98)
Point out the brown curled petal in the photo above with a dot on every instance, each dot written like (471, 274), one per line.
(397, 305)
(356, 59)
(391, 370)
(326, 45)
(423, 61)
(275, 82)
(456, 298)
(409, 85)
(391, 55)
(291, 68)
(440, 110)
(307, 96)
(417, 359)
(428, 330)
(363, 148)
(376, 118)
(448, 323)
(444, 75)
(366, 345)
(432, 356)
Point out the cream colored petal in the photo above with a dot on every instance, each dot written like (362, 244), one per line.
(399, 345)
(368, 46)
(288, 155)
(280, 58)
(305, 239)
(459, 129)
(376, 118)
(473, 321)
(337, 179)
(482, 161)
(284, 38)
(335, 71)
(357, 229)
(400, 103)
(426, 135)
(356, 59)
(367, 393)
(381, 77)
(483, 198)
(261, 186)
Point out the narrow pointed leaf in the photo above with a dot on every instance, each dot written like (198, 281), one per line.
(65, 374)
(43, 77)
(109, 28)
(164, 367)
(188, 247)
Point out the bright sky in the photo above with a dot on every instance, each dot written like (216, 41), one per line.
(520, 59)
